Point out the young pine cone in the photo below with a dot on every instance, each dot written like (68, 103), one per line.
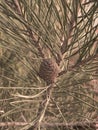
(48, 70)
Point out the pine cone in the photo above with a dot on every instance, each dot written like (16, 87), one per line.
(48, 70)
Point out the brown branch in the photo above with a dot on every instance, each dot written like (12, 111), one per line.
(3, 124)
(70, 27)
(14, 5)
(83, 62)
(65, 42)
(36, 42)
(42, 109)
(76, 125)
(18, 7)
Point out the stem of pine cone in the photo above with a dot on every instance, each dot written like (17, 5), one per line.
(43, 108)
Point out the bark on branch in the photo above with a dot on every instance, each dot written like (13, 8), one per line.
(77, 125)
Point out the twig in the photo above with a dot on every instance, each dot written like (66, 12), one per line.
(37, 45)
(14, 5)
(42, 109)
(3, 124)
(18, 7)
(83, 62)
(75, 125)
(70, 27)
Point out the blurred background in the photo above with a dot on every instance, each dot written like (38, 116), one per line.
(63, 30)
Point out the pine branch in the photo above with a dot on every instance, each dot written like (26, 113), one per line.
(76, 125)
(42, 109)
(82, 63)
